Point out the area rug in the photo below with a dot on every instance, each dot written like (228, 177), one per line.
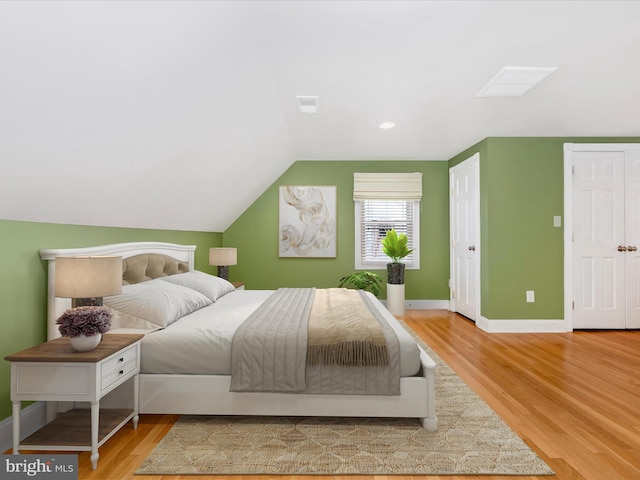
(471, 440)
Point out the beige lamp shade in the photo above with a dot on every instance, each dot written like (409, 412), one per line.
(223, 256)
(87, 277)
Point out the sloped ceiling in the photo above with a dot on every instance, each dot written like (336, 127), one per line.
(178, 115)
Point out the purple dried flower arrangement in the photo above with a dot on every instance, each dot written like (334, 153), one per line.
(88, 321)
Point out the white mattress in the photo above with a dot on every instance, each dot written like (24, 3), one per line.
(200, 343)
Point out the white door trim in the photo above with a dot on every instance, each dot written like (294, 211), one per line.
(474, 161)
(569, 148)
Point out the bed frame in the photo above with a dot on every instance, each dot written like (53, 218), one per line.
(209, 394)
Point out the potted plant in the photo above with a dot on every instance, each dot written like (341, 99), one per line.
(395, 246)
(84, 326)
(364, 281)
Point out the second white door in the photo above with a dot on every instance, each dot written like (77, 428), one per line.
(464, 205)
(606, 237)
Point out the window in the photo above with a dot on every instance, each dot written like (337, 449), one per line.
(384, 201)
(373, 219)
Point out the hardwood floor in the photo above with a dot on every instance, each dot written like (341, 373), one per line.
(574, 398)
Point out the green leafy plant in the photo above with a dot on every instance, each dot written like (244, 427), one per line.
(394, 246)
(363, 280)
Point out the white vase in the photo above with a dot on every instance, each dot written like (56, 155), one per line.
(82, 343)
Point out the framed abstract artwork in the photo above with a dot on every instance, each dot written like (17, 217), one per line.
(307, 226)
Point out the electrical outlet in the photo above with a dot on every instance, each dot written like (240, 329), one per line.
(531, 296)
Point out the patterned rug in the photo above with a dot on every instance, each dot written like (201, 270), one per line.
(471, 440)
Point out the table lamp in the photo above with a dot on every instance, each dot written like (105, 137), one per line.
(87, 279)
(223, 257)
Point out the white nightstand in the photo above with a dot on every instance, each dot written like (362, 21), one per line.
(238, 285)
(53, 371)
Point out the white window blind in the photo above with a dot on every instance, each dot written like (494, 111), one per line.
(387, 186)
(384, 201)
(377, 217)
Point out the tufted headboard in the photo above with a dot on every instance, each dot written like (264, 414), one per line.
(147, 266)
(140, 261)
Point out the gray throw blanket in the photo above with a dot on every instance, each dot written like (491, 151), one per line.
(270, 346)
(332, 328)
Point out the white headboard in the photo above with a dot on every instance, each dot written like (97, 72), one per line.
(56, 306)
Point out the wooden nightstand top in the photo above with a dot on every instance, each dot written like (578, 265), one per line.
(60, 350)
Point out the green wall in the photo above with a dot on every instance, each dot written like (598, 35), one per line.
(521, 184)
(255, 232)
(23, 277)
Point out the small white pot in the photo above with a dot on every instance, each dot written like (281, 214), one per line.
(82, 343)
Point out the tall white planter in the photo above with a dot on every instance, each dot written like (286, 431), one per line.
(395, 299)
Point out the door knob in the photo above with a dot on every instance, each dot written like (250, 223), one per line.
(631, 248)
(622, 248)
(472, 248)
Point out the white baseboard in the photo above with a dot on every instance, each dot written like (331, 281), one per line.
(32, 418)
(427, 304)
(496, 326)
(423, 304)
(522, 326)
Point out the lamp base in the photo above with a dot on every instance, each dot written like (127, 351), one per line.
(223, 271)
(86, 302)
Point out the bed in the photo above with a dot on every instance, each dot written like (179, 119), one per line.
(174, 380)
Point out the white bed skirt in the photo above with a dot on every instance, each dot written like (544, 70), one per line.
(209, 395)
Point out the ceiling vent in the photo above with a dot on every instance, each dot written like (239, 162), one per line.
(514, 81)
(308, 104)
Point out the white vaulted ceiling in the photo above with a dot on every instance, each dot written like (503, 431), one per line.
(178, 115)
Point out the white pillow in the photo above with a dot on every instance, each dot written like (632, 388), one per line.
(160, 303)
(210, 286)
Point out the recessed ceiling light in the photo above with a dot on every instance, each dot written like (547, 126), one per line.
(514, 81)
(387, 125)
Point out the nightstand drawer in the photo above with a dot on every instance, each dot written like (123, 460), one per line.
(119, 360)
(121, 373)
(52, 381)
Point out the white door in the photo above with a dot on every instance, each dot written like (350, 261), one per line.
(598, 237)
(606, 234)
(464, 181)
(632, 236)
